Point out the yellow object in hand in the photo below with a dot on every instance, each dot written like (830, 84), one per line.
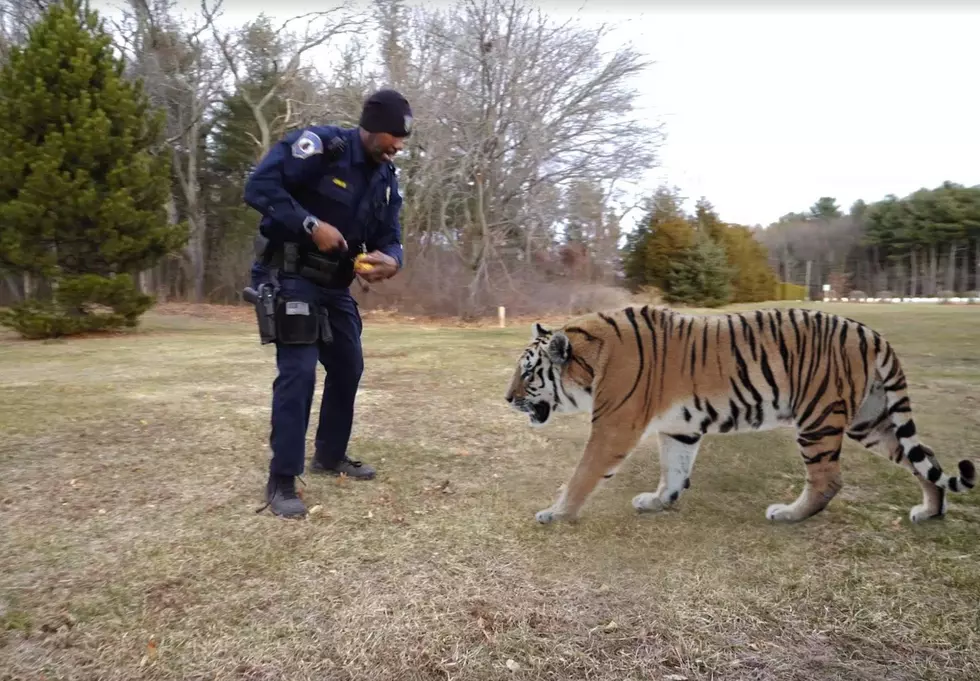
(360, 265)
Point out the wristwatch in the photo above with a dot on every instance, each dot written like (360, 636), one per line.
(309, 222)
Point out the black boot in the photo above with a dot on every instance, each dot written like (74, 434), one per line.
(280, 493)
(352, 469)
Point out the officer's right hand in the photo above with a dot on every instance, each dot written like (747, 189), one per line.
(328, 238)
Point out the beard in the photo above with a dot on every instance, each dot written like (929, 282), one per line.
(379, 152)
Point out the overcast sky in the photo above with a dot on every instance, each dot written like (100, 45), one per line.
(768, 108)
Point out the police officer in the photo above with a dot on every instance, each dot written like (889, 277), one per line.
(326, 194)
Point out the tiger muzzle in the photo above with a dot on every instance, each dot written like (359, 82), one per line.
(539, 411)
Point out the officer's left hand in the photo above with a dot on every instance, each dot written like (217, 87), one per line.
(384, 266)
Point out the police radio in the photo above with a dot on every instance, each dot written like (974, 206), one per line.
(334, 149)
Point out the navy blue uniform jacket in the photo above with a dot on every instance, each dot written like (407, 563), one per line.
(297, 178)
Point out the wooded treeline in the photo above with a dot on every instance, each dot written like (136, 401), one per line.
(924, 244)
(517, 180)
(524, 137)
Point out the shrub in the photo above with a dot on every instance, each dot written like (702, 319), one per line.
(81, 304)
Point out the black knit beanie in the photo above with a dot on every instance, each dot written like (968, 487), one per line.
(387, 111)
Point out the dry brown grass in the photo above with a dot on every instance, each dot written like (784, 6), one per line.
(131, 468)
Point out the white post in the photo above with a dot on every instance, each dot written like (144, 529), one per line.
(502, 316)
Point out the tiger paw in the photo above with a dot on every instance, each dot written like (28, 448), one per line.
(648, 502)
(550, 515)
(547, 516)
(780, 513)
(920, 513)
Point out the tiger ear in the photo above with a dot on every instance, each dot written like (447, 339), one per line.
(537, 330)
(559, 348)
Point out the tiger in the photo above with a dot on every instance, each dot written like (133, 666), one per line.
(644, 370)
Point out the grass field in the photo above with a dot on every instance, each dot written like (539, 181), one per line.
(131, 469)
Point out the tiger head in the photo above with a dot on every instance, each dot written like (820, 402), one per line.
(545, 382)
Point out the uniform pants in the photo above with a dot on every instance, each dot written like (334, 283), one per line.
(294, 386)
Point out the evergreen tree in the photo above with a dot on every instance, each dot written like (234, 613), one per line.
(858, 209)
(753, 280)
(707, 220)
(661, 236)
(700, 276)
(825, 209)
(634, 266)
(82, 184)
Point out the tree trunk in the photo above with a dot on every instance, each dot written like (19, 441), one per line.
(195, 254)
(976, 268)
(13, 286)
(876, 272)
(913, 273)
(933, 270)
(480, 263)
(964, 272)
(190, 185)
(900, 279)
(528, 243)
(951, 268)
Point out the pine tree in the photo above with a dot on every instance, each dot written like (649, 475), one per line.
(83, 184)
(663, 234)
(700, 276)
(825, 209)
(752, 279)
(707, 220)
(633, 255)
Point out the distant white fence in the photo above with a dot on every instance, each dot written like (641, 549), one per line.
(906, 299)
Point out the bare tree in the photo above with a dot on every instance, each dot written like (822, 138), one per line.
(258, 48)
(182, 75)
(511, 107)
(16, 18)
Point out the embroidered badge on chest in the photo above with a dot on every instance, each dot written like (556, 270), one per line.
(307, 144)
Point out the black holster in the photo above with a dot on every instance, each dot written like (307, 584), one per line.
(264, 300)
(283, 319)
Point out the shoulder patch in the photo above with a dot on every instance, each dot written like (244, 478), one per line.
(307, 144)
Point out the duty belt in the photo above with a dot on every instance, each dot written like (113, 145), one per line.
(318, 268)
